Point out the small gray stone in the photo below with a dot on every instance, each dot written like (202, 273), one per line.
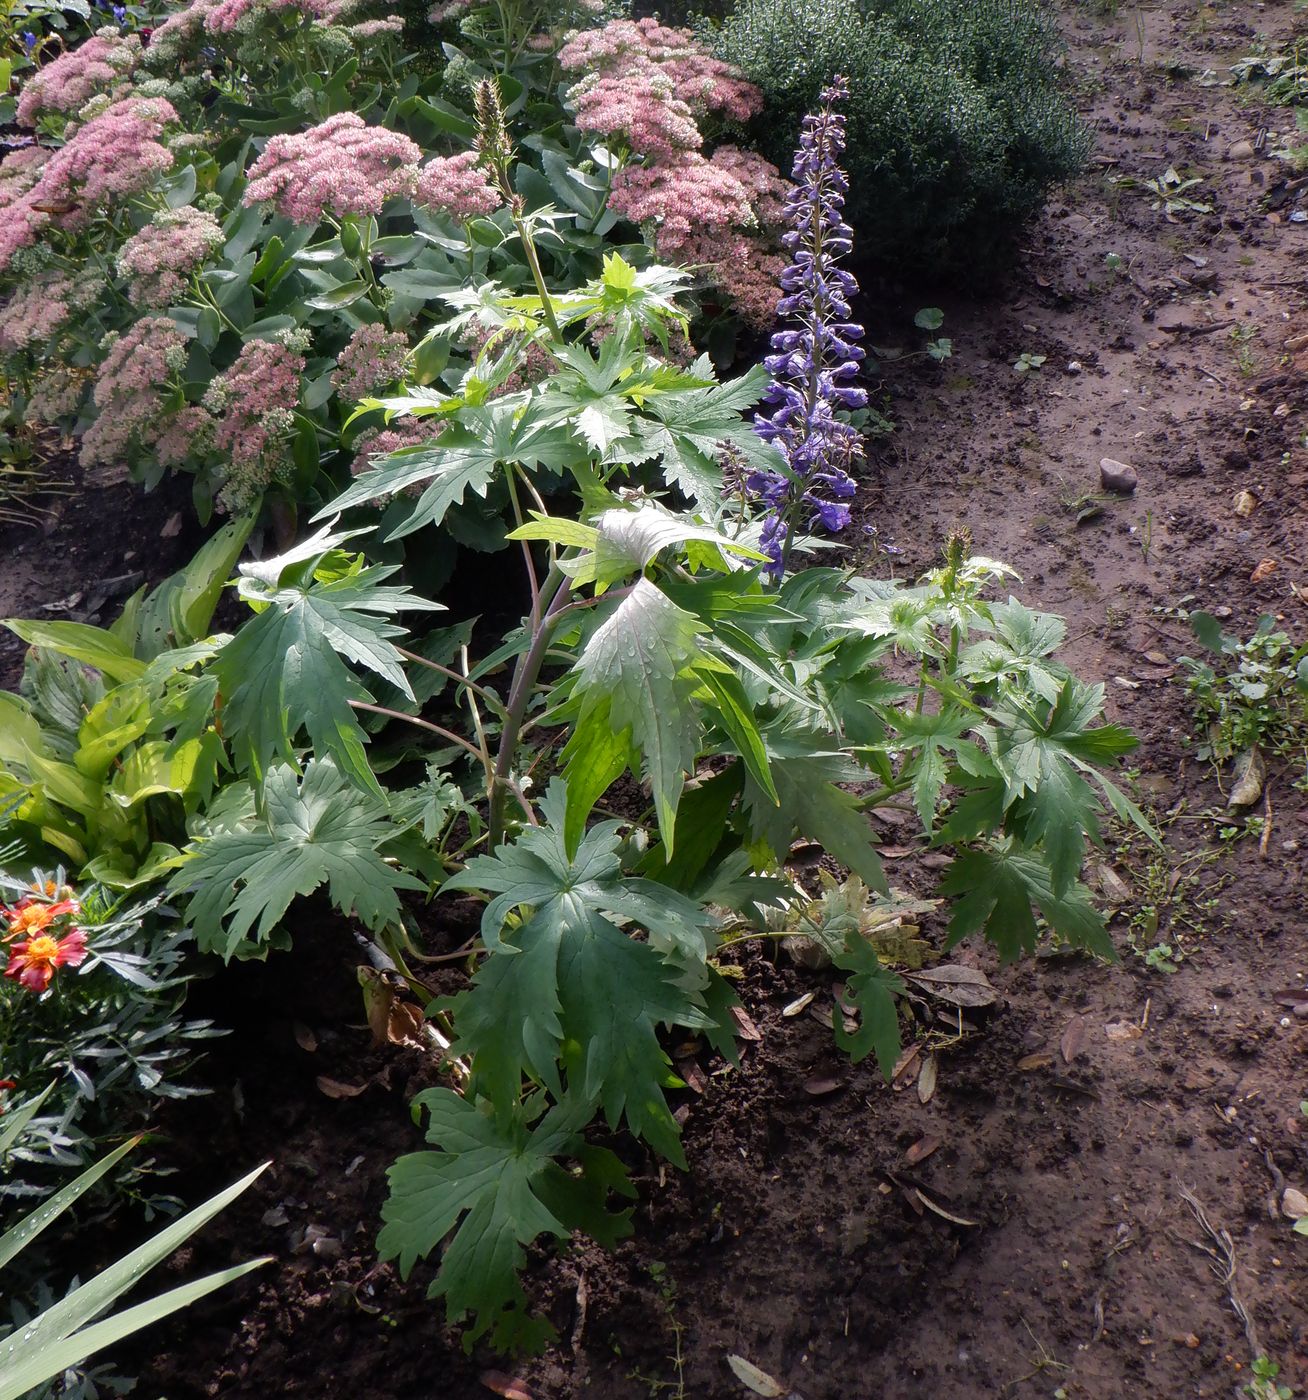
(1118, 477)
(1241, 150)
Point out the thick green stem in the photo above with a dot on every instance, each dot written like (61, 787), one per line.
(553, 599)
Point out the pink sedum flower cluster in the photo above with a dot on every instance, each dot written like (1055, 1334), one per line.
(232, 16)
(456, 185)
(679, 197)
(113, 156)
(638, 108)
(649, 86)
(41, 306)
(254, 405)
(132, 388)
(158, 261)
(395, 437)
(341, 166)
(103, 64)
(374, 359)
(635, 51)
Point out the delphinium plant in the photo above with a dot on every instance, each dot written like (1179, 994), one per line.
(815, 360)
(622, 775)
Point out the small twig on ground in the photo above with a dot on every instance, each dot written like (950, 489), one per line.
(1267, 822)
(1041, 1361)
(1221, 1255)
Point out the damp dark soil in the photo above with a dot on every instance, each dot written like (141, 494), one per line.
(1051, 1244)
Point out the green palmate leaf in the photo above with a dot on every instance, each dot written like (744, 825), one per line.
(637, 663)
(568, 991)
(1019, 652)
(928, 738)
(466, 457)
(810, 802)
(285, 670)
(321, 831)
(499, 1181)
(627, 541)
(690, 430)
(995, 889)
(872, 989)
(1043, 753)
(594, 758)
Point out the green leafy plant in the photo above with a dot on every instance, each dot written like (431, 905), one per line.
(957, 125)
(111, 741)
(1253, 697)
(68, 1332)
(96, 1012)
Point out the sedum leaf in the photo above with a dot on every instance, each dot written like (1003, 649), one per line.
(321, 831)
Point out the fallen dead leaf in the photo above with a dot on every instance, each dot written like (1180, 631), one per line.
(1263, 572)
(692, 1075)
(748, 1030)
(1123, 1030)
(1041, 1060)
(900, 1075)
(963, 986)
(799, 1004)
(1250, 778)
(304, 1037)
(755, 1379)
(921, 1150)
(405, 1024)
(508, 1386)
(820, 1085)
(926, 1080)
(334, 1089)
(941, 1211)
(1073, 1041)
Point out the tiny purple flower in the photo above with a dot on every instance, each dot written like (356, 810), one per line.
(814, 364)
(29, 40)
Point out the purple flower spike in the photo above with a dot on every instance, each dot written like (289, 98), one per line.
(815, 362)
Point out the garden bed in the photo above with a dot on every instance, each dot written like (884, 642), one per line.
(1044, 1245)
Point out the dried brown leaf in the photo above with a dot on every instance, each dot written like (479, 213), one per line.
(799, 1004)
(821, 1084)
(508, 1386)
(926, 1080)
(1042, 1059)
(1073, 1041)
(755, 1379)
(304, 1037)
(963, 986)
(921, 1150)
(940, 1210)
(334, 1089)
(748, 1030)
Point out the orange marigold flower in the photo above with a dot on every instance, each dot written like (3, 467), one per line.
(33, 916)
(32, 963)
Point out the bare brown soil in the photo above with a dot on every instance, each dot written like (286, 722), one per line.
(1072, 1120)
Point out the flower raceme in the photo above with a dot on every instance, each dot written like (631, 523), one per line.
(816, 359)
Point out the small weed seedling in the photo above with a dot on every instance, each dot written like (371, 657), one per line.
(674, 1389)
(1246, 360)
(1264, 1385)
(1254, 696)
(1026, 362)
(1171, 192)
